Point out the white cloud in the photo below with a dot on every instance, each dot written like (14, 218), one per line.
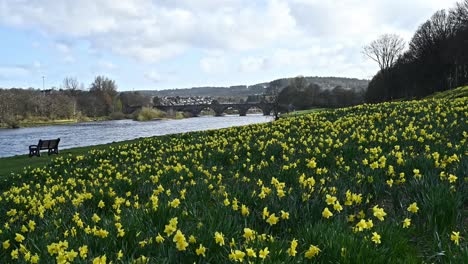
(344, 19)
(69, 59)
(214, 64)
(106, 65)
(154, 30)
(299, 33)
(153, 76)
(253, 64)
(65, 51)
(10, 72)
(7, 72)
(62, 47)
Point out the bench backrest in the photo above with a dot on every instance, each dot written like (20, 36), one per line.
(48, 144)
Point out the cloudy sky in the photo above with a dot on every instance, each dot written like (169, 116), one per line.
(161, 44)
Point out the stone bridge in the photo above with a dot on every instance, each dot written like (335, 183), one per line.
(218, 108)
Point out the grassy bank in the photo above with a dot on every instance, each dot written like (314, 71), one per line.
(383, 183)
(21, 163)
(459, 92)
(36, 122)
(304, 112)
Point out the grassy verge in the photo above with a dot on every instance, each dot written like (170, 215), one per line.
(39, 122)
(304, 112)
(47, 123)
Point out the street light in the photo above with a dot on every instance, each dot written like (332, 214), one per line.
(43, 82)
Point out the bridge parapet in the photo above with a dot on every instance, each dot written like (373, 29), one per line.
(219, 108)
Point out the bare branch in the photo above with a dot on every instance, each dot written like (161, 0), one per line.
(385, 50)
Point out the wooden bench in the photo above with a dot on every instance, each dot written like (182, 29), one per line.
(51, 145)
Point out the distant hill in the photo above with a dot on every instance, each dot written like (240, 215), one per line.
(244, 90)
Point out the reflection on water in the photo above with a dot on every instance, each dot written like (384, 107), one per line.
(16, 141)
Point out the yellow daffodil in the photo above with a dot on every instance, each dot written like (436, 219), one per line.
(312, 252)
(455, 237)
(100, 260)
(251, 253)
(406, 223)
(413, 208)
(292, 249)
(263, 253)
(201, 250)
(272, 219)
(327, 213)
(375, 238)
(219, 238)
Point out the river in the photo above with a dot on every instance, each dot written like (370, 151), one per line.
(16, 141)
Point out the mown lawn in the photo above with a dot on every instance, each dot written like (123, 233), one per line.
(384, 183)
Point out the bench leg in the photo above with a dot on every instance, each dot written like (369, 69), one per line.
(53, 151)
(34, 152)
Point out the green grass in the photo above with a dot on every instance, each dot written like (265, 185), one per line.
(36, 122)
(27, 123)
(459, 92)
(20, 163)
(305, 112)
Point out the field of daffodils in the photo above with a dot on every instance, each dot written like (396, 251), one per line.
(384, 183)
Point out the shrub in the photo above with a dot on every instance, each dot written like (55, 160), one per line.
(147, 114)
(11, 122)
(117, 116)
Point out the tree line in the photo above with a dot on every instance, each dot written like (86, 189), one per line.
(70, 101)
(436, 59)
(299, 93)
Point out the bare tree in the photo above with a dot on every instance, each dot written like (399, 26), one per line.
(385, 50)
(70, 83)
(461, 13)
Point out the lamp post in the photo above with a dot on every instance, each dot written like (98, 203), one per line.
(43, 82)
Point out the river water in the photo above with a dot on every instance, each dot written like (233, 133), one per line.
(16, 141)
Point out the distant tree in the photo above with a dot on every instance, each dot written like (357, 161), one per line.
(461, 13)
(105, 90)
(72, 87)
(131, 100)
(295, 94)
(385, 50)
(103, 84)
(298, 83)
(437, 59)
(271, 96)
(70, 83)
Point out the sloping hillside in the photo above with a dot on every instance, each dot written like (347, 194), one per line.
(451, 94)
(380, 183)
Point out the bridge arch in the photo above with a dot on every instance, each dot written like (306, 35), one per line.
(217, 108)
